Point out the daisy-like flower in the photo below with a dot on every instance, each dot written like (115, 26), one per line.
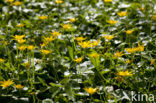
(78, 60)
(79, 39)
(108, 37)
(45, 51)
(31, 47)
(6, 83)
(140, 47)
(66, 26)
(56, 34)
(91, 90)
(122, 13)
(118, 54)
(48, 39)
(124, 73)
(21, 41)
(128, 61)
(112, 22)
(22, 48)
(19, 86)
(1, 60)
(130, 50)
(95, 43)
(129, 31)
(85, 44)
(17, 3)
(59, 1)
(18, 37)
(43, 17)
(72, 20)
(107, 1)
(10, 1)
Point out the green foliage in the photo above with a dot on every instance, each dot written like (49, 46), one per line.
(50, 64)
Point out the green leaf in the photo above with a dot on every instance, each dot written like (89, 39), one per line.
(69, 91)
(55, 85)
(65, 81)
(56, 92)
(42, 81)
(71, 52)
(104, 72)
(2, 37)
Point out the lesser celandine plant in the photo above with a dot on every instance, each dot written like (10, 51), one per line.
(77, 51)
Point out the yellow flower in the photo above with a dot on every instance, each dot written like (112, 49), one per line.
(19, 86)
(6, 83)
(128, 61)
(43, 44)
(85, 44)
(48, 39)
(78, 60)
(45, 51)
(124, 73)
(130, 50)
(122, 13)
(66, 26)
(112, 22)
(152, 61)
(17, 3)
(79, 39)
(90, 90)
(23, 47)
(107, 1)
(154, 17)
(19, 37)
(129, 31)
(118, 54)
(20, 25)
(59, 1)
(10, 1)
(95, 43)
(140, 48)
(142, 9)
(31, 47)
(72, 20)
(20, 41)
(56, 34)
(1, 60)
(94, 55)
(43, 17)
(109, 37)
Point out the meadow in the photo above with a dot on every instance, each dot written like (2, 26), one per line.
(77, 51)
